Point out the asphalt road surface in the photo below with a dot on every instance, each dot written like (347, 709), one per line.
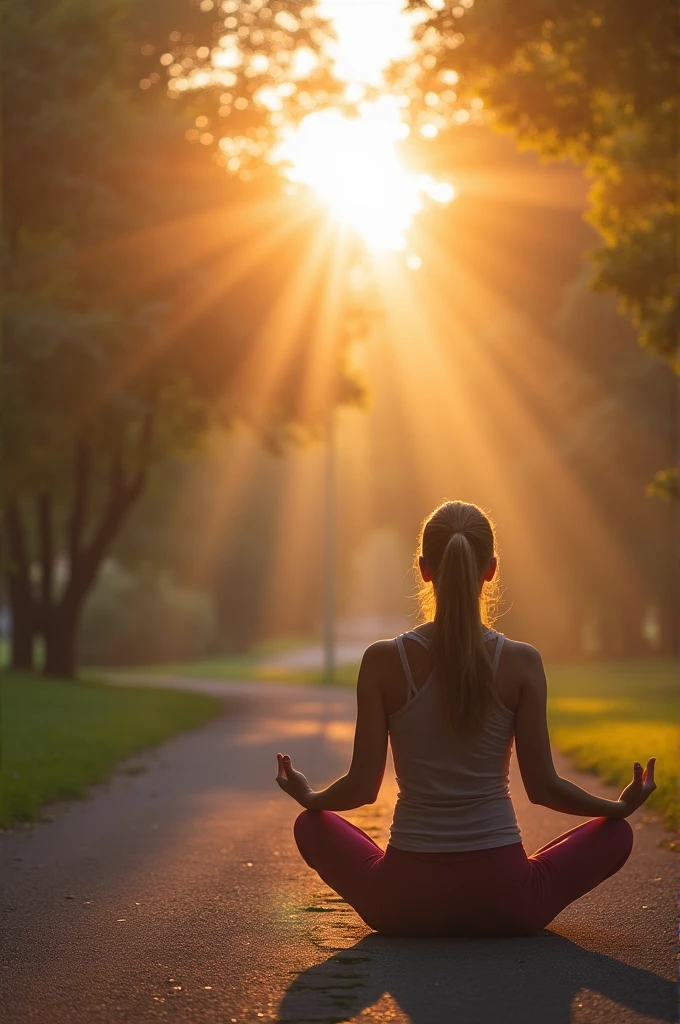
(175, 893)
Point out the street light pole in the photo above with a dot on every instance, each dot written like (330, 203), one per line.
(329, 550)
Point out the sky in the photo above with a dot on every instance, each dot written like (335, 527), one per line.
(370, 33)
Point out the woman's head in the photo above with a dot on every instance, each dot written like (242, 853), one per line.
(457, 561)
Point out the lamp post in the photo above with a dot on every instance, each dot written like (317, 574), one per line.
(351, 313)
(329, 549)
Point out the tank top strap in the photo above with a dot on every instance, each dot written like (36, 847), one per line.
(497, 653)
(412, 689)
(413, 635)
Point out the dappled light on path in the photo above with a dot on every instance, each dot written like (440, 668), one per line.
(272, 730)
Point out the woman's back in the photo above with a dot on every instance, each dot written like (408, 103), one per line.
(453, 790)
(455, 864)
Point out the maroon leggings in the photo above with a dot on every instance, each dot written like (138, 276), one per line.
(499, 891)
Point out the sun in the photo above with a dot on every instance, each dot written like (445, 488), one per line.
(353, 164)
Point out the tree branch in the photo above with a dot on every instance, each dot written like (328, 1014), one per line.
(122, 496)
(82, 475)
(18, 567)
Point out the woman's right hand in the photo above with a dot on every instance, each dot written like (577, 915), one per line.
(642, 786)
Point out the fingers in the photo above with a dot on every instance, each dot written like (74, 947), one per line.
(284, 767)
(649, 772)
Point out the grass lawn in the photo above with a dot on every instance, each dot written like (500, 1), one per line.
(60, 737)
(606, 716)
(242, 667)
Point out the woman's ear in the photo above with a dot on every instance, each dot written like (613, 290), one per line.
(491, 571)
(425, 571)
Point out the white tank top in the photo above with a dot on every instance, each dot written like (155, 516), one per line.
(453, 792)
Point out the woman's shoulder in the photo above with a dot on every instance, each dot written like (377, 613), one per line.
(520, 651)
(383, 657)
(380, 654)
(520, 659)
(387, 649)
(378, 667)
(515, 650)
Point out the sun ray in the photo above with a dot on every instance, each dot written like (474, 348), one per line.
(323, 363)
(237, 460)
(170, 248)
(288, 323)
(505, 412)
(225, 275)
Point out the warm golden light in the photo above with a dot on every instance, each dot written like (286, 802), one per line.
(364, 45)
(354, 165)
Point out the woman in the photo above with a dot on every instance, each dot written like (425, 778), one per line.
(452, 695)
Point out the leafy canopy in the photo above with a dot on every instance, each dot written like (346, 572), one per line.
(142, 281)
(595, 81)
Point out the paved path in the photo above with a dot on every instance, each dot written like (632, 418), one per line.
(177, 895)
(346, 652)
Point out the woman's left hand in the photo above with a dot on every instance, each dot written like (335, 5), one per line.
(291, 781)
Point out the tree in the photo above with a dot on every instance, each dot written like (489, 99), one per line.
(241, 72)
(147, 299)
(587, 79)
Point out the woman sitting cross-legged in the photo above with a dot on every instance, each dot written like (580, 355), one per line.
(452, 696)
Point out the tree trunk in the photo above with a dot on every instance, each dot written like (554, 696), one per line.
(61, 619)
(23, 630)
(22, 602)
(60, 633)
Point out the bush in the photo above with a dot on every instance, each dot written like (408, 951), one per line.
(143, 618)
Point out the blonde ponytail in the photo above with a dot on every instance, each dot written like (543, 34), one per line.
(457, 543)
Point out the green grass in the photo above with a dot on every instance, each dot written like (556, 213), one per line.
(249, 665)
(243, 667)
(606, 716)
(60, 737)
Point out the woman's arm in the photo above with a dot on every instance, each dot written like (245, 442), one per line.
(532, 742)
(362, 782)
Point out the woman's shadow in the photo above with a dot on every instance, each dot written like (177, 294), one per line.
(542, 979)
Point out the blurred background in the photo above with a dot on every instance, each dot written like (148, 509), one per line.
(278, 286)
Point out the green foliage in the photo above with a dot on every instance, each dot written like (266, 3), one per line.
(134, 619)
(595, 81)
(100, 187)
(60, 62)
(59, 738)
(666, 484)
(73, 180)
